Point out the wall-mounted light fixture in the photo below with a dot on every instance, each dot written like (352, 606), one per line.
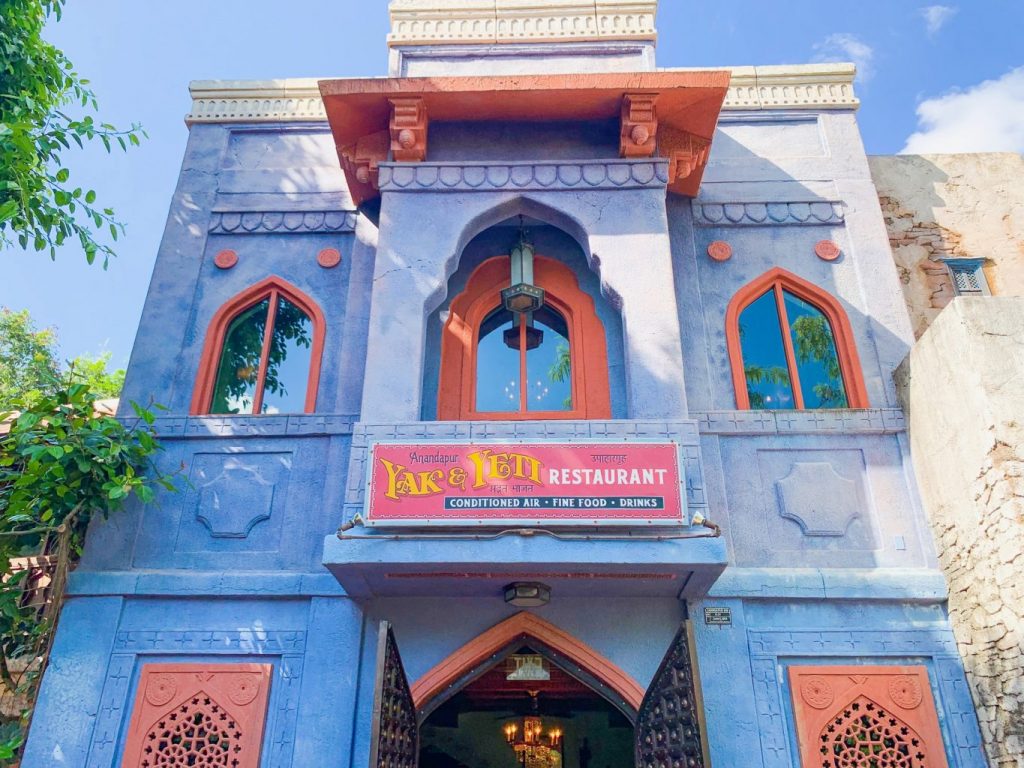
(527, 594)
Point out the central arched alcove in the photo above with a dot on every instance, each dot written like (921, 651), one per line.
(577, 727)
(560, 248)
(525, 666)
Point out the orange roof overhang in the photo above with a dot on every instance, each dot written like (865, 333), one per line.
(668, 114)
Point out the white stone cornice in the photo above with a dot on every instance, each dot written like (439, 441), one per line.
(429, 22)
(254, 101)
(797, 87)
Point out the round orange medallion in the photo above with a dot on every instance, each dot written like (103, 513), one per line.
(720, 250)
(328, 258)
(225, 259)
(827, 250)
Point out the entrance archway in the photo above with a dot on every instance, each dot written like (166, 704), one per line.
(586, 691)
(472, 704)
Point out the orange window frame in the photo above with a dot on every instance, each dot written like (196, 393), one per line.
(456, 398)
(271, 288)
(778, 280)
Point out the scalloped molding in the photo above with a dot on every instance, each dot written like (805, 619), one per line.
(803, 86)
(268, 222)
(483, 177)
(758, 214)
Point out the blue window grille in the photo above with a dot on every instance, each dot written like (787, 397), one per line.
(968, 277)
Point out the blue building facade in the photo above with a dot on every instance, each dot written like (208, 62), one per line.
(364, 212)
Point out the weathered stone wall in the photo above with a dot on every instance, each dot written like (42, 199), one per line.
(963, 389)
(952, 206)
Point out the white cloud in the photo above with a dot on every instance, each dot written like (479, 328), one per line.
(988, 117)
(843, 46)
(935, 17)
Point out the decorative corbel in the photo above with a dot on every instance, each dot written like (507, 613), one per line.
(639, 125)
(360, 162)
(408, 128)
(687, 154)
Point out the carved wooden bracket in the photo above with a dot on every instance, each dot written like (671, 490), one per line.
(362, 158)
(686, 154)
(639, 125)
(408, 128)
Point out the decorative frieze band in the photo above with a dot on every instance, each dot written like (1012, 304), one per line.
(293, 425)
(758, 214)
(852, 421)
(481, 177)
(270, 222)
(427, 22)
(803, 86)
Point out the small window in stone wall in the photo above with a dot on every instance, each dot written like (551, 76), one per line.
(791, 347)
(866, 717)
(262, 353)
(968, 277)
(198, 714)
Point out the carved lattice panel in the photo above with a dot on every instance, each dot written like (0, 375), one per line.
(394, 739)
(203, 715)
(668, 726)
(866, 717)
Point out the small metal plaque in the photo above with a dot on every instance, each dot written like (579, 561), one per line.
(719, 617)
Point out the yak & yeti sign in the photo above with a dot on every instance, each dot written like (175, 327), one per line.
(533, 484)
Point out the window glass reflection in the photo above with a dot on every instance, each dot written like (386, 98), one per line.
(821, 382)
(764, 356)
(288, 361)
(497, 365)
(549, 365)
(238, 370)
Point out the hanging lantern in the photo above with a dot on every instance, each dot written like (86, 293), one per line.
(522, 297)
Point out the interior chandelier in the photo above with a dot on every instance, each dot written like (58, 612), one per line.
(534, 747)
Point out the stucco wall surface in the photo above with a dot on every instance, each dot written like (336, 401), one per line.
(952, 206)
(963, 388)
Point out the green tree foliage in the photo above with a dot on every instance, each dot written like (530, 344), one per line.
(756, 374)
(61, 465)
(28, 358)
(40, 207)
(30, 366)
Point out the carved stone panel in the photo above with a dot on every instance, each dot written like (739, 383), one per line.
(236, 499)
(198, 714)
(876, 717)
(818, 499)
(815, 499)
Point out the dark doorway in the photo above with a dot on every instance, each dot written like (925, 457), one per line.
(471, 728)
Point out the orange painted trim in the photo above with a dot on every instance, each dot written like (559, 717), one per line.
(523, 626)
(842, 333)
(206, 378)
(456, 394)
(239, 691)
(822, 695)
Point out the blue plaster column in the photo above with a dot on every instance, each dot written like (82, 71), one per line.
(69, 699)
(329, 683)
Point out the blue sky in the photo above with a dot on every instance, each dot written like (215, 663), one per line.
(934, 78)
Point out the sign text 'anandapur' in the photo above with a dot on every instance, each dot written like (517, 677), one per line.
(481, 483)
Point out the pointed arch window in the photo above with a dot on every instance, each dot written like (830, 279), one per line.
(262, 353)
(548, 364)
(791, 347)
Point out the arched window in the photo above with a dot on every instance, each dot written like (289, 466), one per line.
(496, 364)
(791, 347)
(262, 353)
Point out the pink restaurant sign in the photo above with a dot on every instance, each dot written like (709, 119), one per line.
(525, 484)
